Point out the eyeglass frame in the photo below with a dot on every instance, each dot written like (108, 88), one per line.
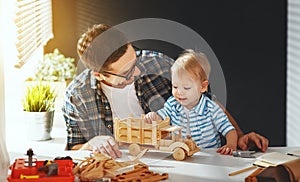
(131, 71)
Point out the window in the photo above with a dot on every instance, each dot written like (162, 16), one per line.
(26, 26)
(33, 20)
(293, 73)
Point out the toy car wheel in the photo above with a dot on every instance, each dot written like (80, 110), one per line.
(179, 154)
(134, 149)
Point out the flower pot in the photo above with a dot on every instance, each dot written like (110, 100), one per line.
(39, 125)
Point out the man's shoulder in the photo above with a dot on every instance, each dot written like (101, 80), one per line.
(80, 82)
(152, 62)
(149, 56)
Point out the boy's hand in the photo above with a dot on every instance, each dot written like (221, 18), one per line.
(227, 149)
(151, 116)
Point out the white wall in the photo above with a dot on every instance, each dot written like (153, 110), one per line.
(4, 158)
(293, 74)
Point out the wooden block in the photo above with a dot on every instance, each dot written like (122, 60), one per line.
(140, 173)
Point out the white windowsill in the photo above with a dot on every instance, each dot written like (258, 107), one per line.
(19, 142)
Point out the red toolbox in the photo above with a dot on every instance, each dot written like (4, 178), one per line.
(21, 172)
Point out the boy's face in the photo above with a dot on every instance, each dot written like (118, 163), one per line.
(186, 90)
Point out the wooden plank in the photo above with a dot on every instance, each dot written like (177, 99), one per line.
(129, 130)
(142, 131)
(154, 133)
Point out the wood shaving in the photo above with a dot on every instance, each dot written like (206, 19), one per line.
(97, 167)
(140, 173)
(101, 166)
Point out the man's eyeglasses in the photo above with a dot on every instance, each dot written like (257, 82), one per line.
(131, 71)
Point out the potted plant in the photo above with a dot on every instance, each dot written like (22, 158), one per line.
(38, 103)
(55, 67)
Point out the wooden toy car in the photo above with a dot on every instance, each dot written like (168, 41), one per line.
(159, 135)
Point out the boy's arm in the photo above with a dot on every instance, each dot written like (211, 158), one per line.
(246, 141)
(231, 143)
(231, 139)
(231, 119)
(239, 132)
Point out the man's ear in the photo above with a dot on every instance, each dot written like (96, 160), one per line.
(98, 76)
(204, 87)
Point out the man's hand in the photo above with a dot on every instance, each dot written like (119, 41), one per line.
(105, 145)
(250, 139)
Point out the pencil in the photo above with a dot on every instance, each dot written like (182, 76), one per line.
(242, 170)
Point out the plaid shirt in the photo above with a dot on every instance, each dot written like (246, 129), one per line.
(87, 111)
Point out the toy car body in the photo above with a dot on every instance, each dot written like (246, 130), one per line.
(159, 135)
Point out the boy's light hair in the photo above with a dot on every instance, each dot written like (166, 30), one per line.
(196, 64)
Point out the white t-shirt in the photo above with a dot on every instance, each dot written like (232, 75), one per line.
(123, 101)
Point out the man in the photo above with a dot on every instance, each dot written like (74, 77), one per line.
(119, 81)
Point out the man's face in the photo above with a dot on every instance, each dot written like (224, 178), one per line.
(186, 90)
(123, 71)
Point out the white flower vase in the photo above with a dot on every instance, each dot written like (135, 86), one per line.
(39, 125)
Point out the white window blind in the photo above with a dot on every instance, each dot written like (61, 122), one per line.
(293, 73)
(33, 20)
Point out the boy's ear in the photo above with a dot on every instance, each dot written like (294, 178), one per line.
(204, 87)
